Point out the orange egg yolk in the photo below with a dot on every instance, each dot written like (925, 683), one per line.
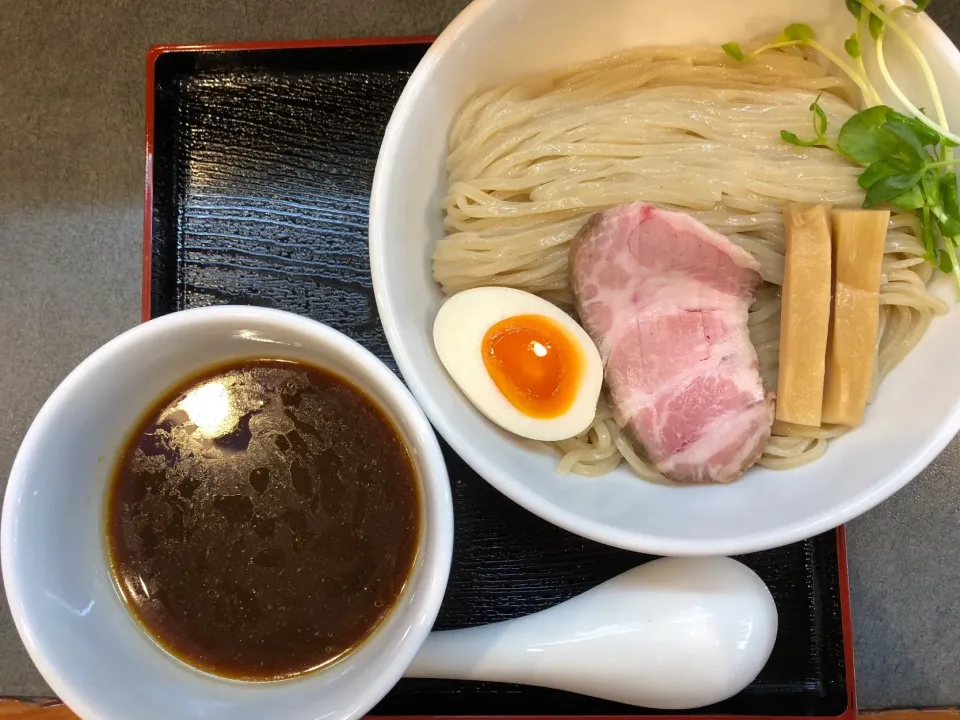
(535, 362)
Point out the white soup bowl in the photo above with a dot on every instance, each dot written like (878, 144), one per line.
(55, 564)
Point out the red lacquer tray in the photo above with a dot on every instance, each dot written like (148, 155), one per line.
(259, 161)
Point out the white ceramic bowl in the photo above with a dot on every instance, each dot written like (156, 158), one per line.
(916, 414)
(59, 585)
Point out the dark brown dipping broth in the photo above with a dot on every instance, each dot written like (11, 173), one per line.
(263, 519)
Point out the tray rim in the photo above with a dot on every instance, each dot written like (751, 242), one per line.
(153, 54)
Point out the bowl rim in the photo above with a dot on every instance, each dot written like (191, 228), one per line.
(379, 232)
(437, 497)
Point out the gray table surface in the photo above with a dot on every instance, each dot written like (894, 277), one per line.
(71, 176)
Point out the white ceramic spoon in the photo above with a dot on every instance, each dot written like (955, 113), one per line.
(674, 633)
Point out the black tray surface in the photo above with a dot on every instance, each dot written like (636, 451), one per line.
(262, 166)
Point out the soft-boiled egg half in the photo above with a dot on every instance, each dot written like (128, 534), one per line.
(525, 364)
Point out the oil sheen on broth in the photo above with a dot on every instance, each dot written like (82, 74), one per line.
(263, 519)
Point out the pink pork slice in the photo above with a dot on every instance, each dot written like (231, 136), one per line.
(665, 298)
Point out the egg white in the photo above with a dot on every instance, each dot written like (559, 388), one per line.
(458, 332)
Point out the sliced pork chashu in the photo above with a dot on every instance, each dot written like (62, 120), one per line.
(665, 299)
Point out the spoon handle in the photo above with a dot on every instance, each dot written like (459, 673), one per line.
(468, 654)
